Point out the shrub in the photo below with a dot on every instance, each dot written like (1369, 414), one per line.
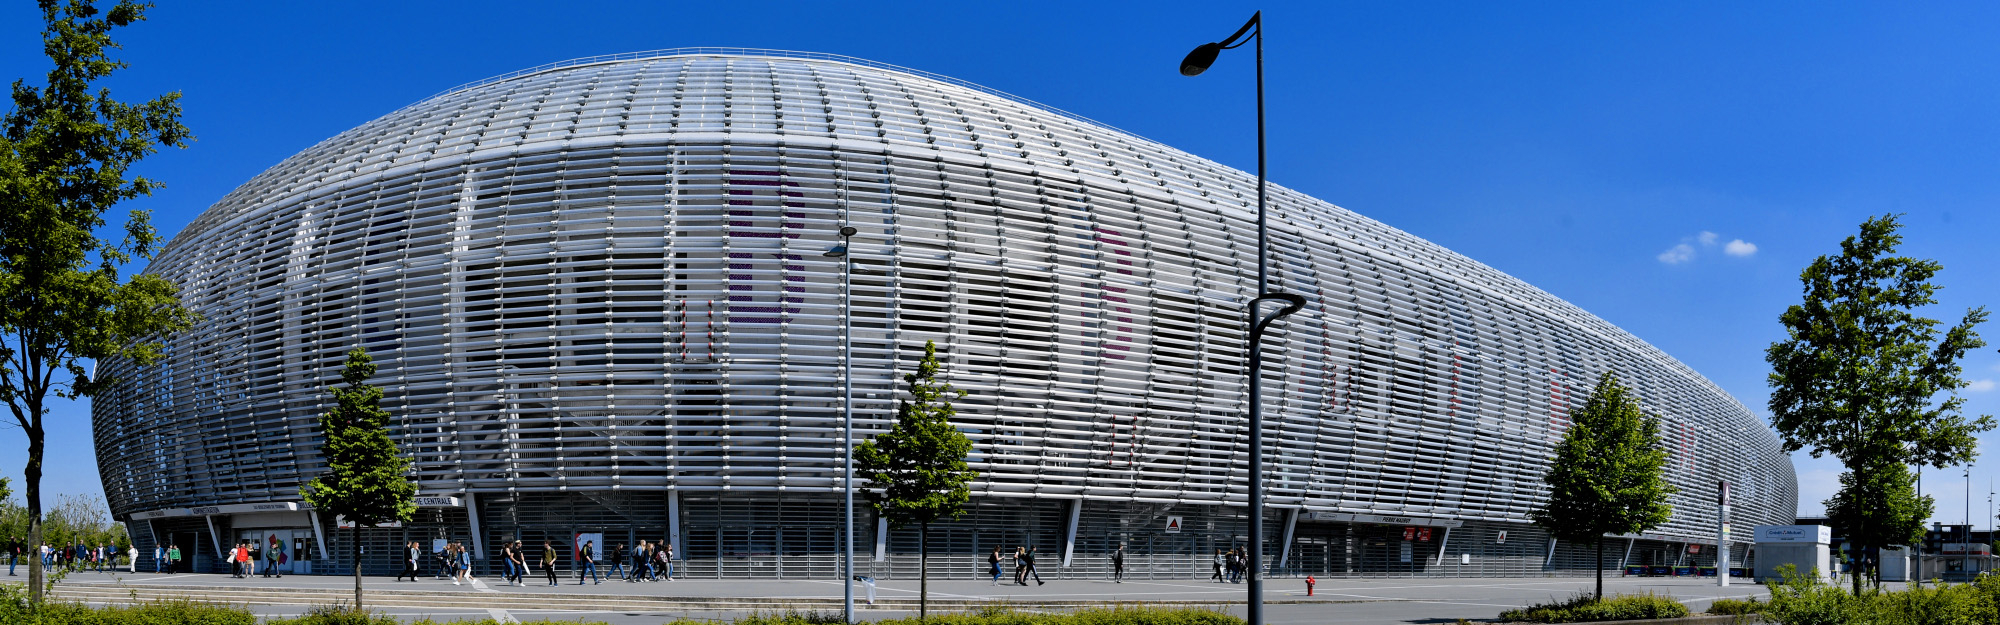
(1582, 608)
(1805, 600)
(1736, 606)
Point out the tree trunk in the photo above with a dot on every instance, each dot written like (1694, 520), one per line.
(354, 550)
(923, 569)
(32, 474)
(1600, 568)
(1855, 549)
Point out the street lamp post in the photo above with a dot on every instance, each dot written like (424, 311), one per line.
(1194, 64)
(846, 417)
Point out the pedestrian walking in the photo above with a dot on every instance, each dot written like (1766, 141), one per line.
(616, 556)
(273, 555)
(549, 561)
(520, 563)
(507, 561)
(666, 557)
(14, 554)
(1029, 558)
(464, 562)
(441, 559)
(639, 560)
(410, 555)
(993, 565)
(1118, 565)
(586, 563)
(173, 557)
(1220, 561)
(251, 551)
(1020, 566)
(132, 559)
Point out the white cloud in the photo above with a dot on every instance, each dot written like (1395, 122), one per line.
(1980, 386)
(1706, 237)
(1739, 247)
(1677, 254)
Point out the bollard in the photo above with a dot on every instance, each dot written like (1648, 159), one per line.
(1309, 585)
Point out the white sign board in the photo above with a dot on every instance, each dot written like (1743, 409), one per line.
(1820, 534)
(596, 541)
(1173, 525)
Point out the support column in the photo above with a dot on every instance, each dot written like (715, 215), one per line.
(1551, 558)
(881, 539)
(674, 524)
(1443, 544)
(319, 534)
(1285, 548)
(472, 515)
(213, 535)
(1069, 535)
(1627, 560)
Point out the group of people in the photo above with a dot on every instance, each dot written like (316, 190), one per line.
(1230, 565)
(243, 560)
(166, 559)
(72, 557)
(1024, 566)
(453, 562)
(649, 561)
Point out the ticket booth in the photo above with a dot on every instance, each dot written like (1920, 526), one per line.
(1808, 547)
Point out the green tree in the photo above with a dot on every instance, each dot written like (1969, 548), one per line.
(1879, 502)
(916, 470)
(1859, 375)
(65, 152)
(364, 479)
(1608, 473)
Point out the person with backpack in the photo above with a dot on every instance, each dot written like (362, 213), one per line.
(616, 556)
(586, 562)
(1118, 565)
(549, 561)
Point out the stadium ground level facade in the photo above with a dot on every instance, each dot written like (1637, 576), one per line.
(727, 535)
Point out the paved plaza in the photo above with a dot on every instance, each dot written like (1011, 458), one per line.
(1379, 600)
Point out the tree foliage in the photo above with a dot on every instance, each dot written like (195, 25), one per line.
(365, 477)
(66, 151)
(916, 471)
(1860, 373)
(1608, 475)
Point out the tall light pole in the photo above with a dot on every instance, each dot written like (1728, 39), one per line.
(846, 417)
(1194, 64)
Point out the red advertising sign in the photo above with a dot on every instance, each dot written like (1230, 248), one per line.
(1409, 533)
(1424, 535)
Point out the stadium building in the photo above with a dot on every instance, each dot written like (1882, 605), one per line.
(597, 294)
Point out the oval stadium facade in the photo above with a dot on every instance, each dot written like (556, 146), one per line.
(597, 294)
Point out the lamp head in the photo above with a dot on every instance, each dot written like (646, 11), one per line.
(1199, 60)
(837, 252)
(847, 231)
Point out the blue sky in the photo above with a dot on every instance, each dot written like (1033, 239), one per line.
(1577, 146)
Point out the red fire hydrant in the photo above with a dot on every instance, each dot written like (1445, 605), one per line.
(1309, 585)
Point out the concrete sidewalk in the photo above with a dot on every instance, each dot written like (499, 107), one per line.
(1378, 600)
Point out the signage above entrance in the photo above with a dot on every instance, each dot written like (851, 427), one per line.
(1377, 519)
(438, 502)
